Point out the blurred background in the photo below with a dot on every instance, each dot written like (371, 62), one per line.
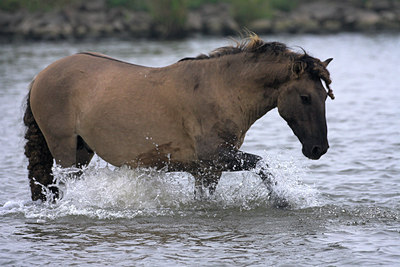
(174, 19)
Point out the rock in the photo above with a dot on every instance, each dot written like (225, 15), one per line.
(214, 19)
(52, 26)
(194, 22)
(80, 31)
(350, 16)
(302, 23)
(138, 24)
(230, 26)
(389, 21)
(5, 20)
(30, 22)
(388, 16)
(95, 22)
(366, 20)
(379, 5)
(321, 10)
(93, 5)
(283, 25)
(311, 17)
(332, 26)
(261, 26)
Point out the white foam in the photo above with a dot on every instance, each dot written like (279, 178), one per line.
(289, 183)
(108, 193)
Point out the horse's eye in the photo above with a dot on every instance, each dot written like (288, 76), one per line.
(305, 99)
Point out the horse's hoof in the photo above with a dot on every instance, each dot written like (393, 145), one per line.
(281, 203)
(54, 194)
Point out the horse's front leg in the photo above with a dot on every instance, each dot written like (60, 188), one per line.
(230, 159)
(236, 160)
(205, 181)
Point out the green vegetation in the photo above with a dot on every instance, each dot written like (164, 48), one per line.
(243, 11)
(139, 5)
(169, 15)
(34, 5)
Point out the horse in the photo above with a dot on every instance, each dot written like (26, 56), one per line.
(191, 116)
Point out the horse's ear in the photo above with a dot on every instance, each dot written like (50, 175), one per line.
(298, 68)
(326, 62)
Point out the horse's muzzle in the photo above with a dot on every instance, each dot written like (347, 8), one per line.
(315, 151)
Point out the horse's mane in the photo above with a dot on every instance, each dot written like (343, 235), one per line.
(299, 62)
(252, 44)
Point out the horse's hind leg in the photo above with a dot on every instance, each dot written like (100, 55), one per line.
(39, 157)
(63, 150)
(70, 151)
(205, 180)
(83, 153)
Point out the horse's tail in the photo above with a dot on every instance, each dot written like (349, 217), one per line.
(39, 156)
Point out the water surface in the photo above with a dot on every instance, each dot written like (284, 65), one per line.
(344, 207)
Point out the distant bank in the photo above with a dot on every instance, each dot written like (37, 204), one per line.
(174, 19)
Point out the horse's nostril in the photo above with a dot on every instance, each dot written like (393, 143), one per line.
(316, 150)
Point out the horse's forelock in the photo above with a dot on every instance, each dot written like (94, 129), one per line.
(317, 69)
(322, 72)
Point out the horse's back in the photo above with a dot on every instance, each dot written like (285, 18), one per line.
(67, 86)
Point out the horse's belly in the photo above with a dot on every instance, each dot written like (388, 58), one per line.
(120, 147)
(158, 157)
(140, 129)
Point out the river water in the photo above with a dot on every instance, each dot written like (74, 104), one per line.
(345, 207)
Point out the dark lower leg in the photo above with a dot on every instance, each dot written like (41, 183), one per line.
(84, 153)
(205, 181)
(40, 163)
(269, 181)
(40, 180)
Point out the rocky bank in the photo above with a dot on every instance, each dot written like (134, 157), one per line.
(93, 19)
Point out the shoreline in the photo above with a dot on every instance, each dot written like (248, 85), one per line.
(93, 20)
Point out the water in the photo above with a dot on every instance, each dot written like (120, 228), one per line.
(344, 208)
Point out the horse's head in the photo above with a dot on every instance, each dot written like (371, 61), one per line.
(301, 103)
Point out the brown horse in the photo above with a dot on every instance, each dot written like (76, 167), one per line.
(191, 116)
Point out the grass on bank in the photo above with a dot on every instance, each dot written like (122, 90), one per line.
(243, 11)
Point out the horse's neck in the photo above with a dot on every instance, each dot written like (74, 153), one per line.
(253, 86)
(238, 89)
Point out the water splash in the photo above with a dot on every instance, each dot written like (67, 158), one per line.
(289, 185)
(105, 192)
